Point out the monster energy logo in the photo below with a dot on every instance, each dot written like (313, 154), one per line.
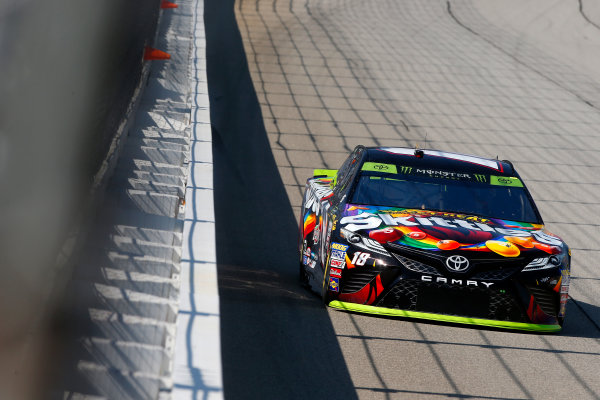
(406, 170)
(480, 178)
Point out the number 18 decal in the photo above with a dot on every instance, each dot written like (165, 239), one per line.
(360, 258)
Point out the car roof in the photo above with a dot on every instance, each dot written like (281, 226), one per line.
(437, 159)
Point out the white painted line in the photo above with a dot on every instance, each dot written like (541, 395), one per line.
(197, 372)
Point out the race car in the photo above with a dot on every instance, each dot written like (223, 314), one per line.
(432, 235)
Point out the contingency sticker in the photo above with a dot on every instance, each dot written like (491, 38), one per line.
(339, 246)
(338, 251)
(334, 284)
(338, 255)
(505, 181)
(335, 272)
(379, 167)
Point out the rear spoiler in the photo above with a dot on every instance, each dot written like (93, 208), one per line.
(319, 173)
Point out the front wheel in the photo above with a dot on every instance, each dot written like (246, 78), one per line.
(303, 276)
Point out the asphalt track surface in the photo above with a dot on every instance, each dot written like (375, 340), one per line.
(306, 82)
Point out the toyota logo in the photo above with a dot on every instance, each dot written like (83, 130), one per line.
(457, 263)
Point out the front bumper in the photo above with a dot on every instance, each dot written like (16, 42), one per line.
(367, 309)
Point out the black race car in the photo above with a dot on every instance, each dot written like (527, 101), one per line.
(433, 235)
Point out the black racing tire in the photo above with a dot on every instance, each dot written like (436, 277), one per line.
(325, 295)
(302, 275)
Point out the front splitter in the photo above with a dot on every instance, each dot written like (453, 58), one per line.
(443, 318)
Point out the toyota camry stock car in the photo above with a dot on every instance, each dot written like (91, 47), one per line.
(432, 235)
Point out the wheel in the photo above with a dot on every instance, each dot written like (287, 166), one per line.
(303, 276)
(325, 295)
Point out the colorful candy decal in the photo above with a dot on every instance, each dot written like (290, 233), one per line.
(457, 233)
(310, 221)
(385, 235)
(505, 249)
(417, 235)
(526, 242)
(444, 231)
(447, 244)
(353, 208)
(546, 247)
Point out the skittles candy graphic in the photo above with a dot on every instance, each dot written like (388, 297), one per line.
(442, 231)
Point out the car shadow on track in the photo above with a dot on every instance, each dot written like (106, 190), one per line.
(277, 340)
(581, 320)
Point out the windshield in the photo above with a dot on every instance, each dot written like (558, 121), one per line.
(491, 200)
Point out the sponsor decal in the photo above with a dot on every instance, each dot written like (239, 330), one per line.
(360, 258)
(379, 167)
(368, 221)
(406, 170)
(505, 181)
(339, 246)
(361, 221)
(564, 298)
(452, 281)
(338, 255)
(480, 178)
(442, 174)
(317, 231)
(335, 272)
(334, 284)
(337, 263)
(457, 263)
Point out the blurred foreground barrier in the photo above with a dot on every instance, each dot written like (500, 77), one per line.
(69, 71)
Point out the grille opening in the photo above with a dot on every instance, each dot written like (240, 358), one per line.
(441, 298)
(354, 280)
(546, 299)
(496, 274)
(416, 266)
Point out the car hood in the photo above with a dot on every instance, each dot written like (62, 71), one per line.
(446, 231)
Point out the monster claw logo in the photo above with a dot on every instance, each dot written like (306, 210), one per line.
(405, 170)
(480, 178)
